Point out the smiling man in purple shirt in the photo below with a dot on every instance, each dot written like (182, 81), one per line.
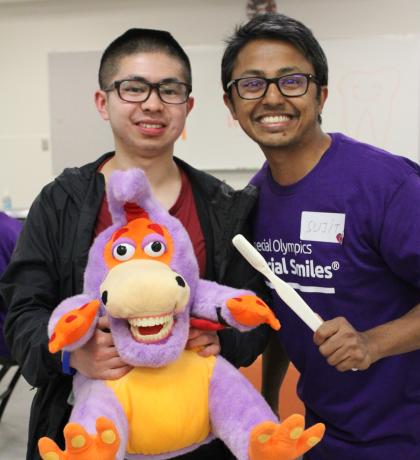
(338, 220)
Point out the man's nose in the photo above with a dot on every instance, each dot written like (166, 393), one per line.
(273, 94)
(153, 102)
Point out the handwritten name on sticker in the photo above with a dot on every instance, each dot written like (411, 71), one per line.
(326, 227)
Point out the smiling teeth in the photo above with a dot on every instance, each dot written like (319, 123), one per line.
(149, 125)
(166, 320)
(150, 321)
(275, 119)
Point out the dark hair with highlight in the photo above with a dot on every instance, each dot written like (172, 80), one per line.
(135, 41)
(273, 26)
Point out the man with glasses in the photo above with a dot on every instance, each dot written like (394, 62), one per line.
(145, 86)
(338, 220)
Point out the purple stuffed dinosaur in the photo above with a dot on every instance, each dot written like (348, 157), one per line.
(143, 274)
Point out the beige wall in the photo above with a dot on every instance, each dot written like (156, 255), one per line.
(29, 30)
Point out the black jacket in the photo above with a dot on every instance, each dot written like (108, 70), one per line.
(48, 266)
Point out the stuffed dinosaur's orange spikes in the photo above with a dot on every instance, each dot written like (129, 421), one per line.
(73, 325)
(250, 310)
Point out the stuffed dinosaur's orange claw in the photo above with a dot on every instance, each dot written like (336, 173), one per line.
(250, 310)
(286, 441)
(73, 325)
(49, 450)
(82, 446)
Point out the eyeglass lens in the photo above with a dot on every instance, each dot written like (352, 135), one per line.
(289, 85)
(138, 91)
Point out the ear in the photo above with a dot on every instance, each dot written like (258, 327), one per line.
(229, 104)
(323, 97)
(190, 104)
(101, 102)
(129, 197)
(127, 193)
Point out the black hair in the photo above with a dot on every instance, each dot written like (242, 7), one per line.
(274, 26)
(135, 41)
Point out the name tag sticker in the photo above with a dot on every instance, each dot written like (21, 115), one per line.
(326, 227)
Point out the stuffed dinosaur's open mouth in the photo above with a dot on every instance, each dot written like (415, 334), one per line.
(150, 329)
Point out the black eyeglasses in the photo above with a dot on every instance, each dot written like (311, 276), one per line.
(139, 90)
(293, 85)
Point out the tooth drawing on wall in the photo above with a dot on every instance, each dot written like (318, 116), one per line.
(368, 103)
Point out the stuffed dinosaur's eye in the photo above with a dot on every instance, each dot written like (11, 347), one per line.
(155, 248)
(123, 251)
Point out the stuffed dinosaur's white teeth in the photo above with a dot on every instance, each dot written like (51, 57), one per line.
(150, 320)
(151, 329)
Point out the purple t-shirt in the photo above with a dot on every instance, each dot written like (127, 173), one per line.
(347, 238)
(9, 232)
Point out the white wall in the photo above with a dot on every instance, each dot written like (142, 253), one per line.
(32, 29)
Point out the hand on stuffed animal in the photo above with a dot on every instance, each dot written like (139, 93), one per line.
(205, 342)
(98, 358)
(343, 346)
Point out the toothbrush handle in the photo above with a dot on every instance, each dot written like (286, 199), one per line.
(291, 298)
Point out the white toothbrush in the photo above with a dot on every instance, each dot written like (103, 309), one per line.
(289, 296)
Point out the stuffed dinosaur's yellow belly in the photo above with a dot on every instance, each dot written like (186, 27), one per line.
(166, 408)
